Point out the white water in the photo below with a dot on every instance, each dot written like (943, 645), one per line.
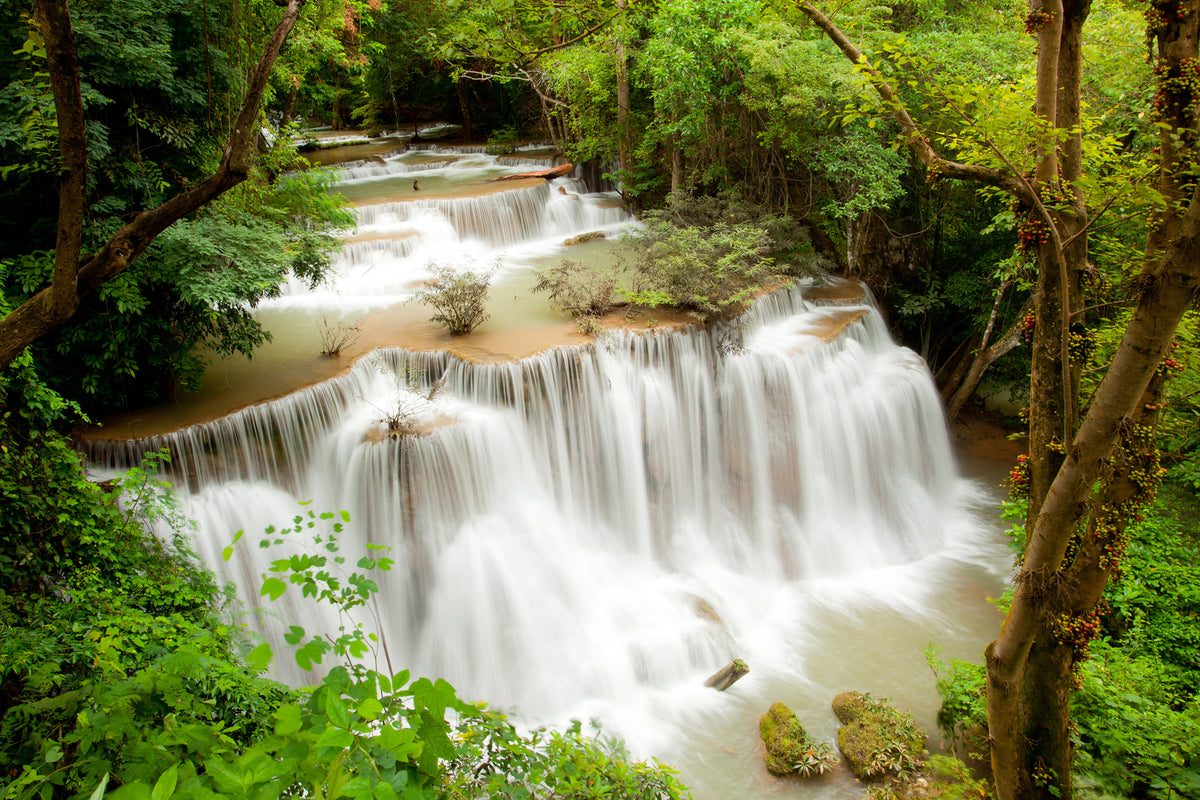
(593, 531)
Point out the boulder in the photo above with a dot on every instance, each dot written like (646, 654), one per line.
(784, 737)
(876, 738)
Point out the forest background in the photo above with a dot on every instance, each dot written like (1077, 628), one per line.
(704, 111)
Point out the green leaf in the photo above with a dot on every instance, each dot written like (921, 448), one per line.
(260, 658)
(294, 635)
(370, 708)
(164, 787)
(336, 708)
(273, 587)
(335, 737)
(98, 792)
(288, 720)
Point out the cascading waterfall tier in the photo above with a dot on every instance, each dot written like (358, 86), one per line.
(557, 522)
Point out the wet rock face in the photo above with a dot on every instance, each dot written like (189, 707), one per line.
(877, 739)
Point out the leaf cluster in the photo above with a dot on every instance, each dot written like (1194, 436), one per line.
(458, 297)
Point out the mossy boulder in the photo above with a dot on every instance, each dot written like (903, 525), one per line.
(790, 749)
(876, 738)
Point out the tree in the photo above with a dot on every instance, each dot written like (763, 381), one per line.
(76, 274)
(1089, 466)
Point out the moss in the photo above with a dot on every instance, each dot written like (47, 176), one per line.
(849, 706)
(789, 747)
(875, 738)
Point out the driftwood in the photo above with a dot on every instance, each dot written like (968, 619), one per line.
(553, 172)
(728, 675)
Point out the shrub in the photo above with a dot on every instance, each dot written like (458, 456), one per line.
(579, 289)
(711, 255)
(337, 336)
(458, 296)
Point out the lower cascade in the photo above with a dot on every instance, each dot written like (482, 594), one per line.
(596, 529)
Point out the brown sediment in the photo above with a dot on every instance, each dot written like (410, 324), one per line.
(831, 326)
(470, 190)
(552, 172)
(836, 290)
(611, 202)
(377, 237)
(380, 433)
(351, 152)
(403, 325)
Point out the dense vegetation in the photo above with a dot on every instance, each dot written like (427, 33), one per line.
(743, 135)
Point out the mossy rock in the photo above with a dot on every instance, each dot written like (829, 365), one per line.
(849, 706)
(785, 738)
(875, 738)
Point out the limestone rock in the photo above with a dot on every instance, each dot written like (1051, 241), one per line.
(583, 237)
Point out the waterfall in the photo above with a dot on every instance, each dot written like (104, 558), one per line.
(593, 530)
(561, 519)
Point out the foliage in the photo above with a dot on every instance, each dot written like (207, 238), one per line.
(1137, 710)
(108, 634)
(116, 671)
(962, 718)
(711, 255)
(580, 289)
(1136, 736)
(494, 761)
(194, 287)
(458, 296)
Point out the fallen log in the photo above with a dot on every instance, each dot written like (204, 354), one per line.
(553, 172)
(728, 675)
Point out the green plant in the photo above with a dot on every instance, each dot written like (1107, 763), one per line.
(580, 289)
(817, 759)
(962, 718)
(458, 296)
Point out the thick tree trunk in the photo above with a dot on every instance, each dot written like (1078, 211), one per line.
(1028, 667)
(54, 305)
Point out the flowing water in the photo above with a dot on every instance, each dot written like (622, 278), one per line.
(590, 531)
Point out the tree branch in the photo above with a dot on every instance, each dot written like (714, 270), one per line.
(54, 305)
(913, 135)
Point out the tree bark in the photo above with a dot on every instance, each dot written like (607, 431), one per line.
(1028, 666)
(984, 357)
(75, 275)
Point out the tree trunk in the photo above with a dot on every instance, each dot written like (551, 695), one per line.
(75, 276)
(464, 108)
(1028, 666)
(984, 358)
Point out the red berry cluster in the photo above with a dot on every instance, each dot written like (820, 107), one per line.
(1181, 86)
(1032, 232)
(1036, 20)
(1077, 631)
(1018, 478)
(1028, 325)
